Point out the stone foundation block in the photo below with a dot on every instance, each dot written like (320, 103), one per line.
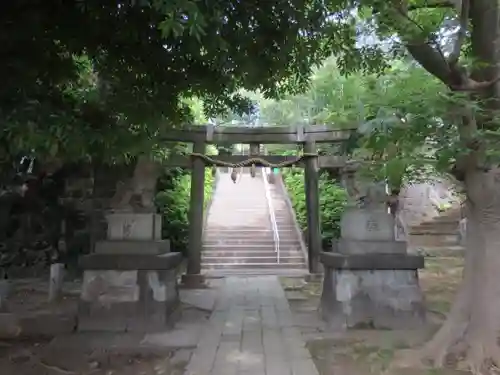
(132, 247)
(344, 246)
(130, 262)
(128, 293)
(382, 294)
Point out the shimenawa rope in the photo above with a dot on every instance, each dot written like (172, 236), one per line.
(251, 162)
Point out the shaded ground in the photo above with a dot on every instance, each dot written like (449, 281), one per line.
(35, 351)
(46, 358)
(367, 352)
(38, 338)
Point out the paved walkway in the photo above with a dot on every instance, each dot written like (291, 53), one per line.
(250, 332)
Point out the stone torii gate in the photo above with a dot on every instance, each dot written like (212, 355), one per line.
(130, 282)
(307, 136)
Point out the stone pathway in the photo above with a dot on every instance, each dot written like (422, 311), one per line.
(250, 332)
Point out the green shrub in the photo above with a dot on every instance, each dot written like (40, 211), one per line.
(332, 200)
(172, 202)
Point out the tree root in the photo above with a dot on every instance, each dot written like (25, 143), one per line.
(482, 357)
(408, 358)
(56, 368)
(477, 358)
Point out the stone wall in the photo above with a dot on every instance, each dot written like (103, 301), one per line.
(418, 200)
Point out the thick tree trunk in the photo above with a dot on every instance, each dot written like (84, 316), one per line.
(473, 324)
(483, 191)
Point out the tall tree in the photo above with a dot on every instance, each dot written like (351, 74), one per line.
(470, 74)
(84, 77)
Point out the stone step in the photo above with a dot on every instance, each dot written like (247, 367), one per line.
(218, 273)
(228, 207)
(225, 208)
(229, 242)
(243, 202)
(454, 251)
(247, 236)
(261, 221)
(433, 240)
(260, 233)
(246, 229)
(433, 231)
(245, 225)
(234, 266)
(251, 260)
(263, 247)
(440, 221)
(441, 224)
(249, 241)
(257, 190)
(284, 225)
(446, 218)
(247, 208)
(251, 253)
(238, 241)
(242, 197)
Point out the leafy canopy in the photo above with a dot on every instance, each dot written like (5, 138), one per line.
(401, 113)
(88, 77)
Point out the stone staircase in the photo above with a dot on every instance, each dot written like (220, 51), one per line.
(441, 231)
(238, 236)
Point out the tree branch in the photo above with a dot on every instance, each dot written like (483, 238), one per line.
(432, 58)
(434, 5)
(462, 32)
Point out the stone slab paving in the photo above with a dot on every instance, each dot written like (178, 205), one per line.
(251, 332)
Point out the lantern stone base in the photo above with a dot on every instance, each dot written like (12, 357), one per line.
(379, 291)
(128, 293)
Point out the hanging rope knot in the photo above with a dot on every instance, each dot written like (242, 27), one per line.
(253, 171)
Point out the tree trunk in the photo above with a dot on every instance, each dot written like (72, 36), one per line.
(472, 327)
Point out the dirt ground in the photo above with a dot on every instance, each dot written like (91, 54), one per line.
(37, 338)
(367, 352)
(360, 352)
(39, 357)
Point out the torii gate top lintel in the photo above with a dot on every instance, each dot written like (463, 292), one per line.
(262, 135)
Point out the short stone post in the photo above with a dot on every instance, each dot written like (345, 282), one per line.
(56, 281)
(370, 281)
(5, 287)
